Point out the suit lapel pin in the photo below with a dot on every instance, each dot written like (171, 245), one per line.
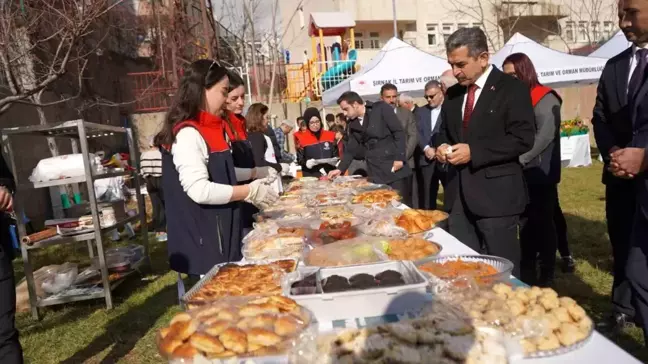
(492, 88)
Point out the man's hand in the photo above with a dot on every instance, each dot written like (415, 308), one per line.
(460, 154)
(334, 174)
(397, 165)
(441, 153)
(628, 162)
(430, 153)
(6, 200)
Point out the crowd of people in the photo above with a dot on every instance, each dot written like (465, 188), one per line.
(490, 137)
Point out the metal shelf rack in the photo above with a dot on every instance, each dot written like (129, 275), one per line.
(79, 131)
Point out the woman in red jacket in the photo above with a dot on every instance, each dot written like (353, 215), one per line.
(315, 143)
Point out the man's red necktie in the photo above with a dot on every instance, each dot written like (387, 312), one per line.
(470, 104)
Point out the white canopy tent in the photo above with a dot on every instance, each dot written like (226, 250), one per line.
(554, 68)
(615, 45)
(402, 64)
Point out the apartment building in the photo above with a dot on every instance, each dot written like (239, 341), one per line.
(564, 25)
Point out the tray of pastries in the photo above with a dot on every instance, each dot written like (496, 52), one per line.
(275, 246)
(235, 328)
(240, 279)
(383, 197)
(418, 221)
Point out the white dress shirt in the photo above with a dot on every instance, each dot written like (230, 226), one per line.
(434, 119)
(481, 81)
(633, 63)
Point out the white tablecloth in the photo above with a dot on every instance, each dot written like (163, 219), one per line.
(598, 350)
(575, 151)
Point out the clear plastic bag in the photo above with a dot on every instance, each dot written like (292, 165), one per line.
(236, 329)
(348, 252)
(276, 246)
(63, 166)
(60, 279)
(382, 226)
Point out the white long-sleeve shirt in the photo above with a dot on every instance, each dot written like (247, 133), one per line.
(190, 156)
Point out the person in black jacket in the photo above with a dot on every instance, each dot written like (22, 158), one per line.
(10, 349)
(376, 133)
(488, 123)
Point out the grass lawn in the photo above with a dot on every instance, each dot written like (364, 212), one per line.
(87, 333)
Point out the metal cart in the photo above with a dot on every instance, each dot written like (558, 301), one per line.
(79, 131)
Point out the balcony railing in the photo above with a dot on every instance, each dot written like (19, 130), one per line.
(518, 9)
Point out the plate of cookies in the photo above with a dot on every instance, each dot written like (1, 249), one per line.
(235, 328)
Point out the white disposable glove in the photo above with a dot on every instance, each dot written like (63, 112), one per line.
(285, 168)
(310, 163)
(334, 162)
(268, 173)
(261, 194)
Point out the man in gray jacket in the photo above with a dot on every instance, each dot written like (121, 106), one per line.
(389, 94)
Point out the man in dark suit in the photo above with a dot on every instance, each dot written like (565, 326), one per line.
(428, 172)
(622, 135)
(10, 349)
(613, 130)
(376, 132)
(488, 122)
(389, 94)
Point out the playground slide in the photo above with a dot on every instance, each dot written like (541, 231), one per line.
(339, 72)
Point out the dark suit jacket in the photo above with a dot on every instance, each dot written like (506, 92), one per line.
(611, 118)
(6, 180)
(411, 135)
(381, 139)
(425, 132)
(501, 129)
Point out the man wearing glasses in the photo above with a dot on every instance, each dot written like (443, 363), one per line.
(428, 172)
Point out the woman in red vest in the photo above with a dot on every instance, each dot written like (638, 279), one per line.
(201, 190)
(542, 172)
(315, 143)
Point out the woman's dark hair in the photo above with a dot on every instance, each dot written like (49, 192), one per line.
(235, 80)
(337, 128)
(198, 76)
(254, 117)
(524, 69)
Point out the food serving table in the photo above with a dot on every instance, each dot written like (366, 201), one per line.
(575, 151)
(597, 350)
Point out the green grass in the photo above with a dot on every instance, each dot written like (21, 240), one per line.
(87, 333)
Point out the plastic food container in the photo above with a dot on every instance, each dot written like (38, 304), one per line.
(504, 267)
(371, 302)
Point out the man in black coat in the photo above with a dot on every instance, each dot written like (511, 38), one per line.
(10, 350)
(488, 122)
(376, 132)
(428, 172)
(621, 130)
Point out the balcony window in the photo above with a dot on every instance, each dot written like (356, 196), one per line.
(463, 25)
(359, 42)
(447, 30)
(582, 31)
(607, 29)
(374, 40)
(432, 34)
(596, 31)
(569, 32)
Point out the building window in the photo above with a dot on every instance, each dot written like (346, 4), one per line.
(359, 43)
(301, 17)
(447, 30)
(569, 31)
(596, 31)
(432, 34)
(607, 29)
(479, 25)
(582, 31)
(463, 25)
(374, 40)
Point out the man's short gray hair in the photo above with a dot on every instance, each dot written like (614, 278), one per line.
(472, 38)
(448, 81)
(405, 98)
(432, 84)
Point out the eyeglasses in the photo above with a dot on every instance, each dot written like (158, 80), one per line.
(428, 97)
(214, 63)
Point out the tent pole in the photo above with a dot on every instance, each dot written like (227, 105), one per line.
(395, 22)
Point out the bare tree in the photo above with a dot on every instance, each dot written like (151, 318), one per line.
(500, 19)
(43, 42)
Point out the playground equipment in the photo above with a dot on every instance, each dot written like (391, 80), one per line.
(325, 68)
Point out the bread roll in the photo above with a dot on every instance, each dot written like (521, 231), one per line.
(169, 344)
(286, 326)
(216, 328)
(234, 339)
(181, 317)
(183, 329)
(284, 304)
(185, 351)
(206, 343)
(263, 337)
